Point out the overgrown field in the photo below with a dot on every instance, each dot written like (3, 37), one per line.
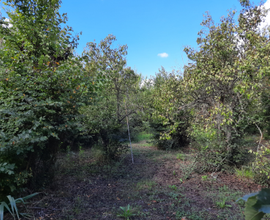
(66, 120)
(158, 185)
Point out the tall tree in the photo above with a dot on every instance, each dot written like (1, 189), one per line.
(226, 73)
(107, 117)
(42, 86)
(222, 84)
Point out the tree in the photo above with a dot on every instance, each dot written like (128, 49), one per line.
(42, 88)
(221, 86)
(225, 77)
(168, 123)
(106, 118)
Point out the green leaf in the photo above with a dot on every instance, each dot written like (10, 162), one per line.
(246, 197)
(29, 196)
(13, 205)
(250, 212)
(4, 205)
(263, 201)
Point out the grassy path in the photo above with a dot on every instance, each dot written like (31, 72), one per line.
(156, 187)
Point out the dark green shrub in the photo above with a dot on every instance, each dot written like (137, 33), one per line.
(261, 178)
(113, 144)
(178, 139)
(214, 159)
(42, 86)
(113, 150)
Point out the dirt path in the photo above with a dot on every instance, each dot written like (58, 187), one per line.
(155, 187)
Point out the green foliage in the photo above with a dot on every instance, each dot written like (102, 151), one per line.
(224, 84)
(203, 138)
(257, 204)
(222, 204)
(174, 187)
(10, 180)
(245, 172)
(11, 207)
(204, 178)
(51, 99)
(42, 87)
(106, 120)
(113, 149)
(127, 212)
(217, 158)
(175, 141)
(180, 156)
(149, 184)
(261, 178)
(261, 165)
(168, 123)
(187, 169)
(142, 136)
(266, 109)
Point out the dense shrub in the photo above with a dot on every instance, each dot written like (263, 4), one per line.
(42, 86)
(221, 158)
(106, 119)
(178, 138)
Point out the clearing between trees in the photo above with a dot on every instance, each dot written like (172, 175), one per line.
(158, 185)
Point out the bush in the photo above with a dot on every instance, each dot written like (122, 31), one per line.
(113, 144)
(178, 138)
(42, 86)
(261, 166)
(214, 153)
(114, 150)
(222, 157)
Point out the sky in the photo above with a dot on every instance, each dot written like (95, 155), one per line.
(155, 31)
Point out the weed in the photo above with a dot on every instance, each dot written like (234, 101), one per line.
(180, 156)
(244, 172)
(97, 153)
(81, 152)
(179, 215)
(173, 195)
(174, 187)
(149, 184)
(126, 212)
(13, 204)
(187, 169)
(143, 144)
(187, 203)
(78, 205)
(204, 178)
(224, 189)
(222, 204)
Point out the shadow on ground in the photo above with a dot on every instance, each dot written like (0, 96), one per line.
(157, 186)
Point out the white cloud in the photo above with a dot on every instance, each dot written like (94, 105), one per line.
(7, 26)
(146, 82)
(163, 55)
(267, 18)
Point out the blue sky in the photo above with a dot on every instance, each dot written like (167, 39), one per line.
(148, 27)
